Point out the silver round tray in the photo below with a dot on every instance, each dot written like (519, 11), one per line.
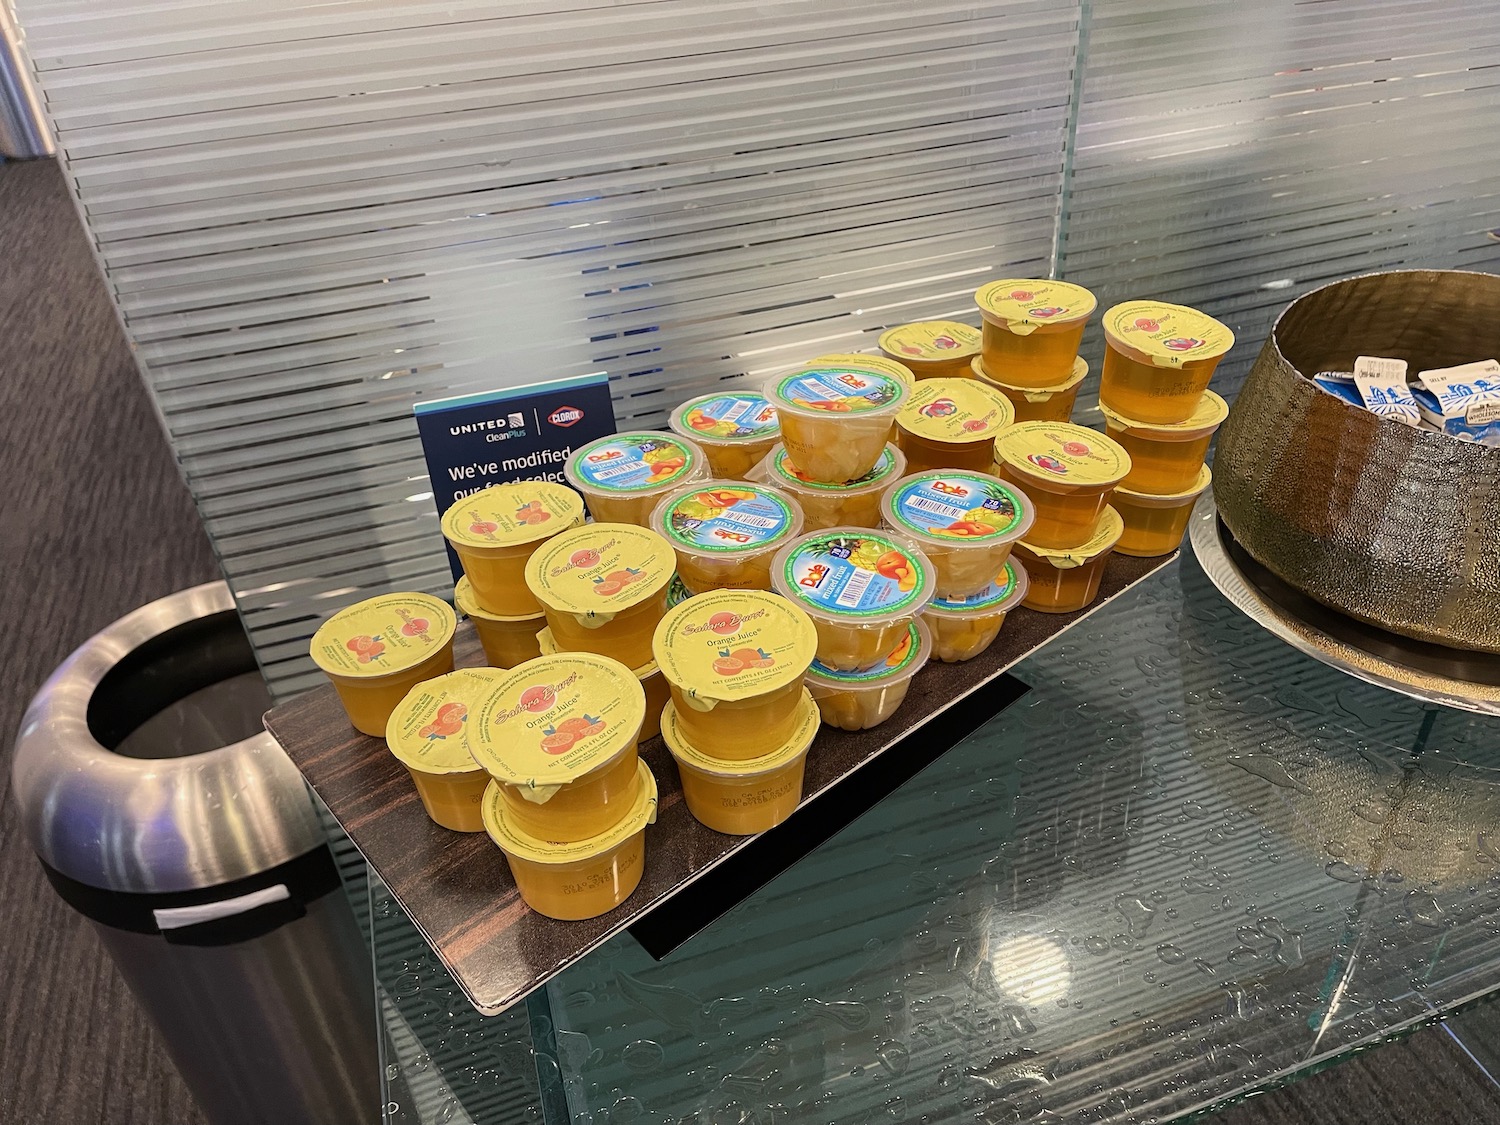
(1449, 676)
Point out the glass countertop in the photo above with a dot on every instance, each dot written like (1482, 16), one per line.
(1190, 863)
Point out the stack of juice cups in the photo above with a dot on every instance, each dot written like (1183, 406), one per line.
(1158, 359)
(962, 628)
(725, 532)
(622, 477)
(735, 429)
(965, 523)
(854, 503)
(836, 421)
(652, 683)
(428, 733)
(740, 721)
(1032, 330)
(507, 641)
(569, 798)
(1032, 404)
(951, 424)
(493, 533)
(933, 349)
(1064, 579)
(867, 697)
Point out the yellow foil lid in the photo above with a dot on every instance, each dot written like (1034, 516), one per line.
(733, 644)
(463, 599)
(1063, 453)
(507, 515)
(1024, 304)
(551, 720)
(1107, 533)
(955, 410)
(380, 636)
(429, 729)
(517, 843)
(597, 570)
(1167, 335)
(1206, 417)
(930, 340)
(883, 364)
(789, 751)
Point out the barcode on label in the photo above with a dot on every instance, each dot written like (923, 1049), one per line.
(747, 519)
(936, 507)
(609, 472)
(734, 412)
(855, 588)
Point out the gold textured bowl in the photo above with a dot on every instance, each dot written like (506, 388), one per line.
(1395, 526)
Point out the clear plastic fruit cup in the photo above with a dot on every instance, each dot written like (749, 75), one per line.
(933, 349)
(735, 430)
(623, 476)
(494, 532)
(951, 424)
(377, 650)
(965, 523)
(962, 628)
(603, 588)
(428, 733)
(1158, 359)
(652, 683)
(867, 697)
(581, 879)
(559, 734)
(1032, 329)
(835, 421)
(1155, 525)
(725, 532)
(1066, 580)
(506, 641)
(746, 796)
(1067, 471)
(733, 661)
(855, 503)
(1165, 457)
(863, 361)
(1054, 404)
(861, 587)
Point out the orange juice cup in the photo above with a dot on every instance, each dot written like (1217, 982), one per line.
(652, 683)
(933, 349)
(559, 734)
(1155, 525)
(377, 650)
(1158, 359)
(1055, 404)
(428, 733)
(964, 522)
(962, 628)
(584, 878)
(862, 361)
(507, 641)
(603, 588)
(494, 532)
(742, 797)
(868, 697)
(951, 424)
(725, 532)
(735, 430)
(623, 476)
(1032, 329)
(733, 661)
(861, 587)
(835, 421)
(1165, 457)
(1066, 580)
(1067, 471)
(855, 503)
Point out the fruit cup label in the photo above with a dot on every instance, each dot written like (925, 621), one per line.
(841, 390)
(899, 660)
(1064, 452)
(728, 519)
(1170, 335)
(958, 506)
(789, 472)
(955, 411)
(855, 575)
(1025, 304)
(735, 644)
(600, 567)
(507, 514)
(930, 340)
(861, 362)
(634, 462)
(996, 594)
(383, 635)
(429, 729)
(733, 418)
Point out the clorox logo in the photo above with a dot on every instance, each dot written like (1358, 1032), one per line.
(565, 416)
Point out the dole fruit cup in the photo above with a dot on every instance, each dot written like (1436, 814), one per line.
(377, 650)
(428, 733)
(867, 697)
(933, 349)
(1155, 525)
(860, 361)
(751, 795)
(1165, 457)
(855, 503)
(962, 628)
(652, 683)
(951, 424)
(559, 736)
(1066, 580)
(1067, 471)
(494, 531)
(835, 421)
(570, 881)
(603, 588)
(733, 661)
(725, 532)
(861, 587)
(734, 430)
(965, 523)
(1055, 404)
(507, 641)
(1158, 359)
(622, 477)
(1032, 329)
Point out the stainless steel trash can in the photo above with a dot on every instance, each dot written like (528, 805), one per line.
(163, 812)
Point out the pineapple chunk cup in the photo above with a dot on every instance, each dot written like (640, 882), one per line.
(835, 421)
(1158, 359)
(1032, 329)
(428, 733)
(867, 697)
(962, 628)
(494, 531)
(965, 523)
(933, 349)
(855, 503)
(1068, 472)
(734, 430)
(1066, 580)
(507, 641)
(725, 532)
(622, 477)
(951, 424)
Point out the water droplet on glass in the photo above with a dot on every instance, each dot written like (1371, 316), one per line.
(893, 1058)
(1138, 914)
(1017, 1022)
(1096, 944)
(1204, 967)
(1170, 954)
(846, 1013)
(1286, 947)
(1341, 871)
(643, 1056)
(1268, 769)
(1424, 910)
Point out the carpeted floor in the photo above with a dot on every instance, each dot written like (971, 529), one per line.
(96, 522)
